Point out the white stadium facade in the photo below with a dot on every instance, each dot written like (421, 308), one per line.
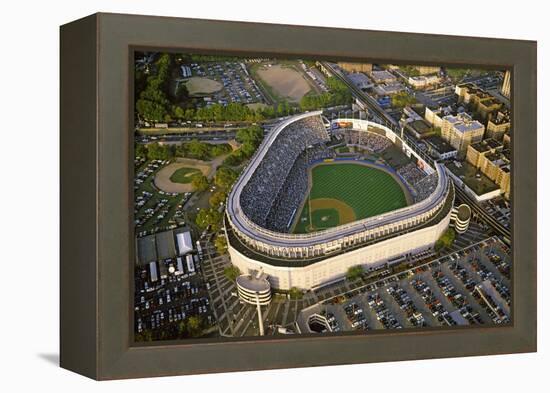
(259, 206)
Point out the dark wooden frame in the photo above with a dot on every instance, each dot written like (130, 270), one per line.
(96, 202)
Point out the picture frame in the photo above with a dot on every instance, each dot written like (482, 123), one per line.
(97, 246)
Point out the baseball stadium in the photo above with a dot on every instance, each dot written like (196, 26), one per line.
(315, 201)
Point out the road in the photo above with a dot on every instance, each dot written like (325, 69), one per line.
(392, 124)
(485, 216)
(364, 98)
(380, 114)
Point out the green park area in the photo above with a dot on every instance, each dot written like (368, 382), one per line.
(184, 175)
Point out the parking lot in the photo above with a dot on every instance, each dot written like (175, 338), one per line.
(238, 86)
(435, 293)
(236, 318)
(155, 210)
(468, 287)
(161, 304)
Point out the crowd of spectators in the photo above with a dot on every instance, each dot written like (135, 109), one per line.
(421, 184)
(290, 196)
(279, 184)
(425, 187)
(411, 173)
(269, 177)
(370, 141)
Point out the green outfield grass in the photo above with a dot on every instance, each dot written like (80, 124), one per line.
(366, 190)
(184, 175)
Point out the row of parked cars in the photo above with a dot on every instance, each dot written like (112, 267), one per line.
(457, 299)
(406, 304)
(434, 305)
(383, 314)
(171, 299)
(356, 316)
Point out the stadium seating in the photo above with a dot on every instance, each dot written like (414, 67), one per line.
(294, 190)
(261, 191)
(276, 189)
(368, 140)
(425, 187)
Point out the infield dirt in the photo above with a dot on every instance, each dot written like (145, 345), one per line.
(286, 81)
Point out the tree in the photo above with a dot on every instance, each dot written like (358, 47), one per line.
(295, 293)
(231, 112)
(199, 182)
(354, 273)
(221, 244)
(338, 94)
(457, 74)
(144, 336)
(248, 148)
(225, 177)
(253, 135)
(446, 240)
(141, 150)
(178, 112)
(182, 329)
(219, 149)
(231, 272)
(402, 99)
(235, 158)
(198, 150)
(217, 198)
(194, 326)
(409, 70)
(209, 217)
(153, 103)
(181, 92)
(156, 151)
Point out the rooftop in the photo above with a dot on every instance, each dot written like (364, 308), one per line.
(474, 179)
(439, 144)
(492, 143)
(464, 212)
(360, 79)
(390, 88)
(490, 102)
(486, 145)
(473, 89)
(382, 75)
(463, 122)
(254, 283)
(480, 147)
(442, 111)
(502, 117)
(421, 126)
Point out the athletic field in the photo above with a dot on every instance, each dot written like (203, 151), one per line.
(346, 192)
(184, 175)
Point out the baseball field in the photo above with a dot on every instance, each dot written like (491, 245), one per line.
(184, 175)
(345, 192)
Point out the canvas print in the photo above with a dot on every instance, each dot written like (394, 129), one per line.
(278, 197)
